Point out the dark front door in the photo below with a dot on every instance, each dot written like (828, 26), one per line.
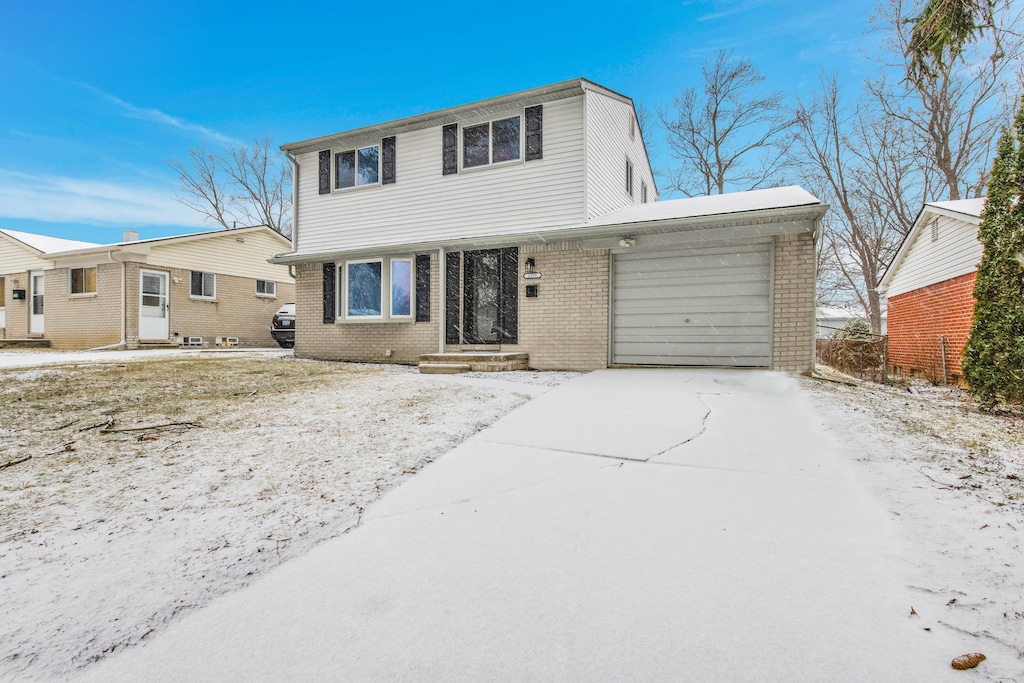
(490, 297)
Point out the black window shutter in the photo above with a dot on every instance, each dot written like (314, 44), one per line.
(325, 171)
(453, 263)
(330, 278)
(423, 288)
(535, 132)
(387, 150)
(450, 153)
(508, 313)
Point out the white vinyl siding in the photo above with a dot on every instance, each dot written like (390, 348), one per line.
(424, 205)
(957, 251)
(699, 306)
(222, 253)
(608, 145)
(17, 258)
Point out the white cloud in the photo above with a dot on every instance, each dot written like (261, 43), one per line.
(157, 116)
(57, 199)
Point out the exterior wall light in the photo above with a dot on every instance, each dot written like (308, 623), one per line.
(627, 242)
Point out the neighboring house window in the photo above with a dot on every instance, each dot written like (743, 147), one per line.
(357, 167)
(266, 288)
(491, 143)
(401, 287)
(643, 192)
(629, 177)
(364, 289)
(204, 285)
(3, 292)
(83, 280)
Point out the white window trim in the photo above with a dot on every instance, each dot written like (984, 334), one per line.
(202, 297)
(334, 168)
(272, 295)
(491, 163)
(81, 295)
(385, 294)
(629, 177)
(411, 260)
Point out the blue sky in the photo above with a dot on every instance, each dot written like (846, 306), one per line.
(96, 96)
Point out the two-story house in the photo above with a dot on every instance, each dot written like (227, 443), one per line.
(526, 227)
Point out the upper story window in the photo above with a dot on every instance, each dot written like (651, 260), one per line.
(83, 280)
(490, 143)
(357, 167)
(629, 177)
(204, 285)
(643, 192)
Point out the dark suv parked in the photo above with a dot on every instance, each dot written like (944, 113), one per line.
(283, 327)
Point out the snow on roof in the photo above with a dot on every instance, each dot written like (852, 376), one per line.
(693, 207)
(970, 207)
(46, 244)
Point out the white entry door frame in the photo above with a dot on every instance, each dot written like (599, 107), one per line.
(37, 287)
(154, 323)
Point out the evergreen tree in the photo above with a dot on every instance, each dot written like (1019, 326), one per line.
(994, 356)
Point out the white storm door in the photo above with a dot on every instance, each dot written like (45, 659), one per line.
(153, 322)
(36, 287)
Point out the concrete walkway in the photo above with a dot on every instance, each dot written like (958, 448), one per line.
(659, 525)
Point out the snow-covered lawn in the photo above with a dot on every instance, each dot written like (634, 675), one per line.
(131, 492)
(953, 479)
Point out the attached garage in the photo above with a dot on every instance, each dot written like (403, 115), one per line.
(708, 305)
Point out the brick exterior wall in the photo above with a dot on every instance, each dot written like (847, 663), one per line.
(83, 321)
(16, 312)
(360, 342)
(917, 321)
(565, 327)
(793, 304)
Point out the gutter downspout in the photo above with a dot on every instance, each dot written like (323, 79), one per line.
(124, 307)
(295, 201)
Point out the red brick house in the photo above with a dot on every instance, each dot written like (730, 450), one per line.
(930, 291)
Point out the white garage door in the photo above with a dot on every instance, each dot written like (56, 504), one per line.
(698, 306)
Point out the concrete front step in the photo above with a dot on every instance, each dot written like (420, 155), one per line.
(477, 361)
(25, 343)
(443, 368)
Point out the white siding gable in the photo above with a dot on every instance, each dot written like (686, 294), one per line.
(425, 206)
(956, 251)
(223, 253)
(613, 136)
(17, 258)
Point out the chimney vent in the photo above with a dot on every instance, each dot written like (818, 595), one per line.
(131, 235)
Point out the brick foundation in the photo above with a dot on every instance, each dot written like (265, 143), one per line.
(919, 319)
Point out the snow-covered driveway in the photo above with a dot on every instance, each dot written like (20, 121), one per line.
(628, 525)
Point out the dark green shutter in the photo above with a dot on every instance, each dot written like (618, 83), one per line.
(387, 171)
(325, 171)
(450, 151)
(453, 263)
(330, 280)
(423, 288)
(535, 132)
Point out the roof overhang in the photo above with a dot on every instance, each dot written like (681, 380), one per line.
(547, 93)
(143, 247)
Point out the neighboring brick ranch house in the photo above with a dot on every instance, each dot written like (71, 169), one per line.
(206, 285)
(523, 231)
(930, 290)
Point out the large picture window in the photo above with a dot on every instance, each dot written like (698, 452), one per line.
(83, 280)
(491, 143)
(364, 287)
(204, 285)
(357, 167)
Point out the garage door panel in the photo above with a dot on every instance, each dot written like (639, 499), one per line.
(698, 306)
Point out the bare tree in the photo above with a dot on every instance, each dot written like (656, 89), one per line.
(728, 133)
(247, 185)
(861, 163)
(953, 110)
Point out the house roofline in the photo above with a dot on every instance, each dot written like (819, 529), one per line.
(26, 245)
(575, 86)
(117, 246)
(568, 233)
